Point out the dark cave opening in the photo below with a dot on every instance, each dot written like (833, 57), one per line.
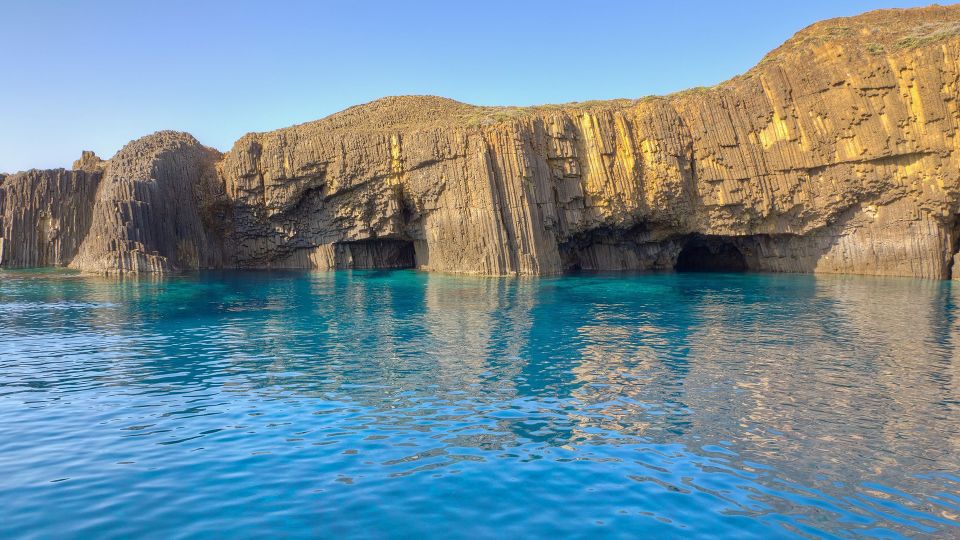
(710, 254)
(375, 254)
(952, 268)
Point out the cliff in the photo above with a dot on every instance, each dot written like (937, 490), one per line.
(147, 214)
(44, 216)
(838, 153)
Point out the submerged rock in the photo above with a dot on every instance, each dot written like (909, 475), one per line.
(838, 153)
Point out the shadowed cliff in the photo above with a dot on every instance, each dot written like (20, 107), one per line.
(836, 154)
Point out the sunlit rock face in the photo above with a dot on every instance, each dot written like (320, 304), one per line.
(44, 216)
(836, 154)
(154, 209)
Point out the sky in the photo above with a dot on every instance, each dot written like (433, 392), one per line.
(95, 75)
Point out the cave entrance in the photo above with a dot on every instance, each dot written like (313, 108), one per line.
(952, 269)
(375, 254)
(710, 254)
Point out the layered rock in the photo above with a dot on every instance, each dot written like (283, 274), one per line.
(838, 153)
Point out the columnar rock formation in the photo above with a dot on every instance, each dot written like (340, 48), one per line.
(838, 153)
(152, 211)
(44, 216)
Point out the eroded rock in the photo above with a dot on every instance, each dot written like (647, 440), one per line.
(44, 216)
(838, 153)
(152, 212)
(89, 162)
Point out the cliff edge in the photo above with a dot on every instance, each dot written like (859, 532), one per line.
(837, 153)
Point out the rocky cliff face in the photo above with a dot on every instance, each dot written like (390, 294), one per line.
(152, 210)
(44, 216)
(838, 153)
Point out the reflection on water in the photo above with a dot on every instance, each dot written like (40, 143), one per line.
(407, 404)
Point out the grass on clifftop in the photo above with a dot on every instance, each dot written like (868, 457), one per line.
(877, 32)
(929, 33)
(486, 116)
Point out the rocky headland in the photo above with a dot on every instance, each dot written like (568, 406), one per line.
(838, 153)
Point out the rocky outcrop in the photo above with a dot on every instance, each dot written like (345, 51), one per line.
(44, 216)
(89, 162)
(838, 153)
(153, 209)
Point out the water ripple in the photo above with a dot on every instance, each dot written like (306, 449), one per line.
(401, 404)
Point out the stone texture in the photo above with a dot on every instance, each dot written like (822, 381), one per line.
(89, 162)
(44, 216)
(838, 153)
(155, 209)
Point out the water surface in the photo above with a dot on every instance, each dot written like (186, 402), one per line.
(403, 404)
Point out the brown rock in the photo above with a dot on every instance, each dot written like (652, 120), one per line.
(89, 162)
(149, 212)
(838, 153)
(44, 216)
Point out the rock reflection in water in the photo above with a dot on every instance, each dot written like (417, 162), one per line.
(766, 404)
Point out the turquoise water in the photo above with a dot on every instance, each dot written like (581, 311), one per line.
(402, 404)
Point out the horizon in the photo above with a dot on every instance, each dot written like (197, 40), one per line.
(71, 105)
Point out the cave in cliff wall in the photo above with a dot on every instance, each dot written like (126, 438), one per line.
(953, 255)
(639, 249)
(710, 254)
(614, 249)
(838, 153)
(375, 253)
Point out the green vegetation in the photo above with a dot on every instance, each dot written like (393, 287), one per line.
(928, 33)
(691, 91)
(839, 31)
(488, 116)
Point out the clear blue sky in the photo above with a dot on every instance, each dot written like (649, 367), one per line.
(97, 74)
